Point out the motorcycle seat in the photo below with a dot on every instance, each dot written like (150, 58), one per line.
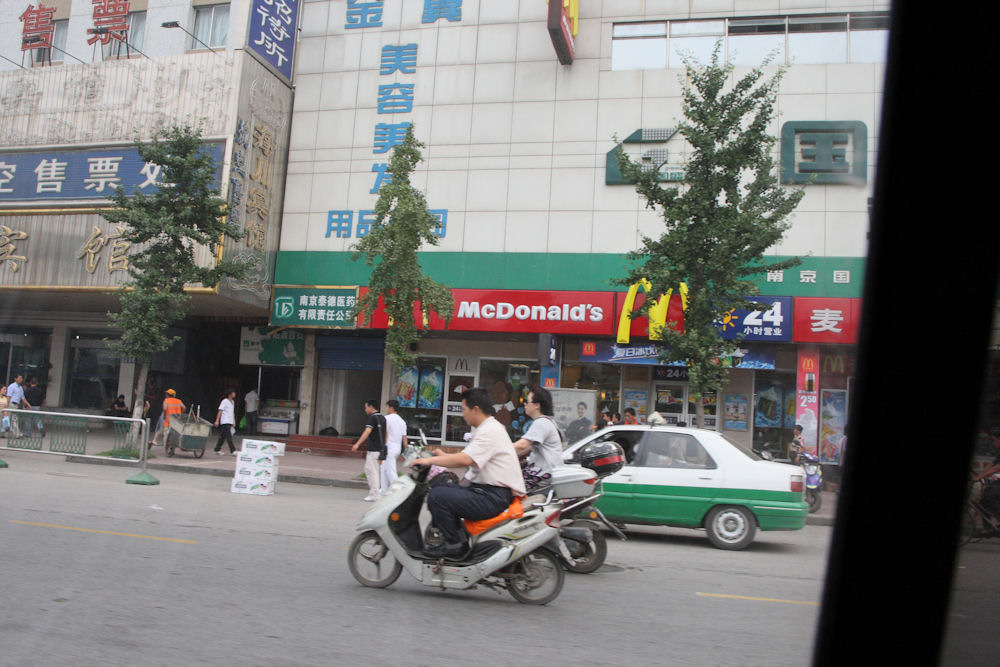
(513, 511)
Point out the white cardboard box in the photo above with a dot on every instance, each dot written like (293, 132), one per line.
(256, 473)
(256, 460)
(253, 487)
(264, 447)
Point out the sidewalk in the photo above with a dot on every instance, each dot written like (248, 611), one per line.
(299, 468)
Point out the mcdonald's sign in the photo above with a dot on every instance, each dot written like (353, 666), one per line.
(668, 311)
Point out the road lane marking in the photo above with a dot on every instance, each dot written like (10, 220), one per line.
(102, 532)
(746, 597)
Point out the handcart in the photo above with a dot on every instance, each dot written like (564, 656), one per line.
(188, 433)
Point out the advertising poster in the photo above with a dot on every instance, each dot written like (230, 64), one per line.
(259, 346)
(769, 401)
(574, 412)
(807, 396)
(431, 387)
(637, 399)
(735, 418)
(406, 388)
(833, 418)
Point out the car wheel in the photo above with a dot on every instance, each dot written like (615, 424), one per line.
(730, 527)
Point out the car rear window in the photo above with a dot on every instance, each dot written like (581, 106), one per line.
(743, 449)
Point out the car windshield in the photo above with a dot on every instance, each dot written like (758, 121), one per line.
(750, 454)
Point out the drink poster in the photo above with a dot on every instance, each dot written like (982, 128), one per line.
(807, 396)
(768, 408)
(431, 387)
(789, 403)
(406, 388)
(833, 419)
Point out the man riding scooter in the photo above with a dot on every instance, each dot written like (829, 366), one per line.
(493, 479)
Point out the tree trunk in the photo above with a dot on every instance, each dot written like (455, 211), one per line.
(139, 402)
(699, 412)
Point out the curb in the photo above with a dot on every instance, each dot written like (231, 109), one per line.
(293, 479)
(819, 520)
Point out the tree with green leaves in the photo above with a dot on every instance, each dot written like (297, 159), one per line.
(402, 225)
(729, 210)
(168, 226)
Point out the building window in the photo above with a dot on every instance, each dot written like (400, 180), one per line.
(639, 46)
(60, 28)
(824, 39)
(817, 40)
(869, 38)
(135, 36)
(211, 26)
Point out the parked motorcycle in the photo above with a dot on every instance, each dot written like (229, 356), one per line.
(814, 480)
(517, 555)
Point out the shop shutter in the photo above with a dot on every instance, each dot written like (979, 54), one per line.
(355, 354)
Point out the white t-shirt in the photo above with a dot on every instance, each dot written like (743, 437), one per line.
(495, 458)
(546, 445)
(226, 407)
(395, 429)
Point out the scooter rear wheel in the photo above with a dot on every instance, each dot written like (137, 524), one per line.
(585, 559)
(536, 578)
(371, 562)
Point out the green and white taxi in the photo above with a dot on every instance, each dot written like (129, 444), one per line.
(694, 478)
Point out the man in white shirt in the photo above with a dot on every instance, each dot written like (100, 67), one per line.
(226, 420)
(252, 401)
(395, 440)
(493, 480)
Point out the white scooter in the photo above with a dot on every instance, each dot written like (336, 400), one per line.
(516, 554)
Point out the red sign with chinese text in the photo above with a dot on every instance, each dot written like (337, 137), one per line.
(110, 21)
(826, 320)
(37, 27)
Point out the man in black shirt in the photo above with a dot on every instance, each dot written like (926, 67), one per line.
(374, 435)
(34, 396)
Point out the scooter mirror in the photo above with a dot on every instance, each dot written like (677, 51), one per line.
(423, 437)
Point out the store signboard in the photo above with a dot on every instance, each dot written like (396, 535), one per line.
(265, 346)
(606, 352)
(90, 173)
(807, 395)
(522, 311)
(314, 307)
(773, 324)
(826, 320)
(273, 25)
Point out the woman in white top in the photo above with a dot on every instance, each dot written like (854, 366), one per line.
(542, 443)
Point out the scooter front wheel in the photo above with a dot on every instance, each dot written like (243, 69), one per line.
(536, 578)
(371, 562)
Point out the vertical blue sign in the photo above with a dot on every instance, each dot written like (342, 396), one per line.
(272, 33)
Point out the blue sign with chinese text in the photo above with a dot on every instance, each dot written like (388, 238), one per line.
(272, 33)
(82, 174)
(774, 324)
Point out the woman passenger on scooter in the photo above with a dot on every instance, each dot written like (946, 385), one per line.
(542, 443)
(491, 482)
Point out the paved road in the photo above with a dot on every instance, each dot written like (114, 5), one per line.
(99, 571)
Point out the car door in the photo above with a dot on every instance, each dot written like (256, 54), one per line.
(674, 480)
(616, 503)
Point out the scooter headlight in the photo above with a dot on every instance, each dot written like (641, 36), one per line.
(810, 469)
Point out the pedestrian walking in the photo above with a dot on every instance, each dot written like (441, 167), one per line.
(395, 441)
(252, 402)
(15, 395)
(4, 417)
(226, 421)
(374, 438)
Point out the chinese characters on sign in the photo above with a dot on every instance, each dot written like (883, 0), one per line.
(368, 14)
(80, 174)
(250, 188)
(272, 33)
(110, 22)
(773, 324)
(37, 27)
(8, 246)
(339, 224)
(314, 307)
(823, 152)
(117, 255)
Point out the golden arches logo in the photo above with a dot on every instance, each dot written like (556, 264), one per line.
(657, 312)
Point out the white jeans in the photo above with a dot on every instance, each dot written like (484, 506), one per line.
(372, 473)
(388, 471)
